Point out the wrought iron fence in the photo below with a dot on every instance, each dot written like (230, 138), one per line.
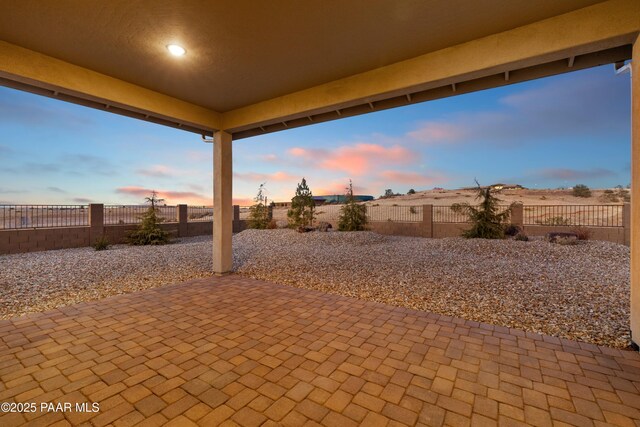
(43, 216)
(245, 212)
(199, 214)
(574, 215)
(331, 213)
(444, 214)
(328, 213)
(447, 215)
(394, 213)
(132, 214)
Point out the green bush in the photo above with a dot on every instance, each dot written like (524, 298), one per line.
(149, 231)
(353, 216)
(412, 191)
(581, 190)
(259, 213)
(620, 192)
(101, 244)
(609, 196)
(487, 223)
(301, 213)
(258, 217)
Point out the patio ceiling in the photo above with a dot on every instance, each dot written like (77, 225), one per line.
(254, 67)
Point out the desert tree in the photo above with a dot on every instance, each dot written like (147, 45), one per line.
(388, 193)
(486, 220)
(302, 211)
(353, 216)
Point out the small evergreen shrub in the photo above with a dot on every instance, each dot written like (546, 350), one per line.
(487, 223)
(301, 213)
(353, 216)
(101, 244)
(259, 213)
(412, 191)
(581, 190)
(521, 237)
(149, 231)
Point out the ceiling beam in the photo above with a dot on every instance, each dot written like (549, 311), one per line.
(606, 25)
(553, 68)
(27, 70)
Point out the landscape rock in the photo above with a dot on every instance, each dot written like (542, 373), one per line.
(324, 226)
(580, 292)
(562, 238)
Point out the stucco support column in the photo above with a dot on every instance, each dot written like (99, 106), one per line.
(96, 222)
(635, 193)
(222, 203)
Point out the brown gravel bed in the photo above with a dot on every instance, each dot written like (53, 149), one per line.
(579, 292)
(41, 281)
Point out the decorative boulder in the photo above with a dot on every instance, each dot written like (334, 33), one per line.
(562, 238)
(324, 226)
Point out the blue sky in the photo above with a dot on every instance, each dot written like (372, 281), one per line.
(549, 133)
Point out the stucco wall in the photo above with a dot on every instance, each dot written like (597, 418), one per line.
(44, 239)
(607, 234)
(398, 228)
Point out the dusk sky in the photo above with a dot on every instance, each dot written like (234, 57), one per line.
(549, 133)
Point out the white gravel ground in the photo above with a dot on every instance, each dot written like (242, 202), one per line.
(578, 292)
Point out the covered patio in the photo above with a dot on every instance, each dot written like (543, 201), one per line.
(229, 350)
(236, 351)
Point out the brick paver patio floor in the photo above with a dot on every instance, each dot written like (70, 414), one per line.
(234, 351)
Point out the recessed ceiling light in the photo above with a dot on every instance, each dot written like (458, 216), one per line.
(176, 50)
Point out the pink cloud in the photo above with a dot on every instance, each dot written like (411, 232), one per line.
(177, 197)
(339, 187)
(171, 197)
(357, 159)
(158, 171)
(265, 177)
(411, 178)
(437, 132)
(243, 202)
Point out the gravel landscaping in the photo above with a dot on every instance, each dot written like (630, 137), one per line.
(579, 292)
